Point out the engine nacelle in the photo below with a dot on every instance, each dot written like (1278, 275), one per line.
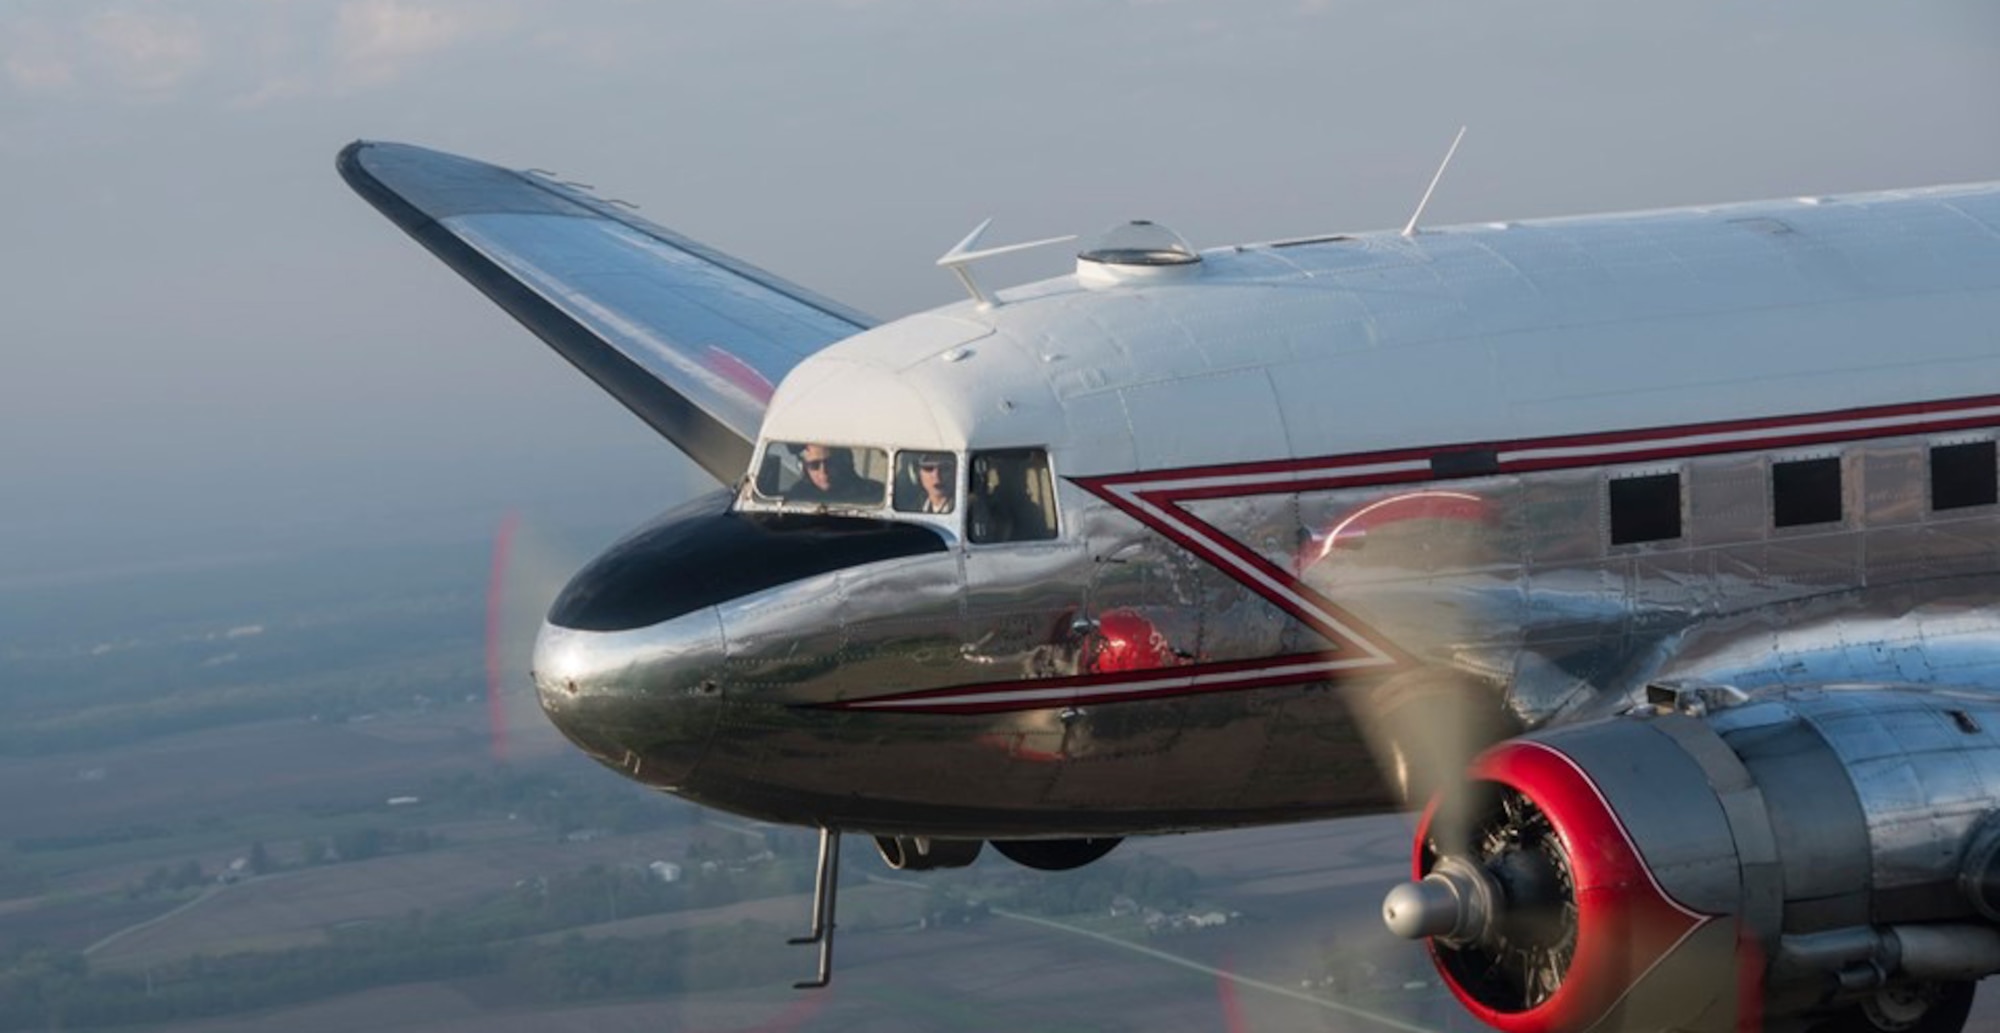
(1719, 863)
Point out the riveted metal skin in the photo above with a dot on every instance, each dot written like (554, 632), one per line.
(897, 695)
(1262, 465)
(1896, 762)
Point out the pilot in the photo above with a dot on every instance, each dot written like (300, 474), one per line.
(830, 478)
(935, 472)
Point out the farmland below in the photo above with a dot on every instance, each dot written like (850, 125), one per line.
(273, 793)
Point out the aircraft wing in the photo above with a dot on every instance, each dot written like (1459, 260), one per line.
(689, 339)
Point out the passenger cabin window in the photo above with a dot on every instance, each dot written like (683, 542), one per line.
(814, 474)
(1805, 491)
(926, 482)
(1646, 508)
(1964, 475)
(1010, 497)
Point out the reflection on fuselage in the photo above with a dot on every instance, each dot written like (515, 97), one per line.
(876, 674)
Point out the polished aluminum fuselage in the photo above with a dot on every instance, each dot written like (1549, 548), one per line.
(1341, 479)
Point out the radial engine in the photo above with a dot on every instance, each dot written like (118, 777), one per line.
(1823, 859)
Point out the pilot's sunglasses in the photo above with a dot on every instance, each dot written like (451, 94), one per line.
(815, 464)
(929, 467)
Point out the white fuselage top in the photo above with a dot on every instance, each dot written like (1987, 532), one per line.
(1473, 333)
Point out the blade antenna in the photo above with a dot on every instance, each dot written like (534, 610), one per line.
(1410, 230)
(963, 255)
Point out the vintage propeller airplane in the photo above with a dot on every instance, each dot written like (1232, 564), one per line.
(1658, 551)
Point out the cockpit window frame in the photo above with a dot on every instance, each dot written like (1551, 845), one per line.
(952, 518)
(788, 453)
(1051, 512)
(1040, 506)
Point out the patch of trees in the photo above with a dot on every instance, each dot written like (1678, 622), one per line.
(357, 844)
(361, 844)
(562, 802)
(600, 894)
(166, 879)
(714, 957)
(1147, 881)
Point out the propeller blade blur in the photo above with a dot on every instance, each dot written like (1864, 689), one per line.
(530, 567)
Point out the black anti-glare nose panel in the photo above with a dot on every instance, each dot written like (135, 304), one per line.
(701, 554)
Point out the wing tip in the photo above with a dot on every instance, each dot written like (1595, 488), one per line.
(362, 161)
(349, 161)
(354, 167)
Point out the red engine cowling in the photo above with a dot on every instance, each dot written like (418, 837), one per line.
(1571, 917)
(1719, 872)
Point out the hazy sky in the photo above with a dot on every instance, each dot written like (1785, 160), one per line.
(200, 326)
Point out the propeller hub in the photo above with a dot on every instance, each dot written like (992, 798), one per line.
(1454, 902)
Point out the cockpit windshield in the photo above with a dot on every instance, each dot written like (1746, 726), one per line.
(816, 474)
(1001, 495)
(926, 482)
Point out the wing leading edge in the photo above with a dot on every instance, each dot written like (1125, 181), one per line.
(689, 339)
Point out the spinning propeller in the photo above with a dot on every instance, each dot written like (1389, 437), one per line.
(529, 568)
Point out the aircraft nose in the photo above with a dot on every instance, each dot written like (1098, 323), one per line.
(643, 702)
(631, 662)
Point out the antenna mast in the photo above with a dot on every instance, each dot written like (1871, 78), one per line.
(1411, 229)
(967, 252)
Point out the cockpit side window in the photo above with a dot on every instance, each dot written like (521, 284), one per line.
(1010, 497)
(926, 482)
(812, 473)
